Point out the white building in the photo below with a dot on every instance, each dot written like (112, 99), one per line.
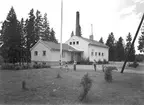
(76, 48)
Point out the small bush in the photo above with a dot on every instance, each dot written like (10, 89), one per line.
(85, 61)
(58, 75)
(86, 83)
(7, 66)
(134, 64)
(108, 73)
(37, 66)
(99, 61)
(105, 61)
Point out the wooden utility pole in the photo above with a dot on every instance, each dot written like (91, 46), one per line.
(129, 51)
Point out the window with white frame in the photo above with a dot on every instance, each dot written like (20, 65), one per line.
(44, 53)
(35, 53)
(77, 42)
(95, 53)
(63, 54)
(73, 43)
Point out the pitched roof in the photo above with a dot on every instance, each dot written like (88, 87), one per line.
(94, 42)
(56, 46)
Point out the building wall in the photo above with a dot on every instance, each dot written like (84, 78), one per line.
(83, 45)
(51, 55)
(56, 56)
(40, 48)
(98, 50)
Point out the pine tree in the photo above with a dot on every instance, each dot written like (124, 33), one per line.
(131, 56)
(101, 40)
(31, 37)
(111, 43)
(72, 34)
(52, 36)
(120, 50)
(45, 29)
(38, 25)
(11, 38)
(141, 42)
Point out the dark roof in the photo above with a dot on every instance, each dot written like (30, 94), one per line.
(94, 42)
(56, 46)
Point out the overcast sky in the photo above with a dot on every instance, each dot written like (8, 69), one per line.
(117, 16)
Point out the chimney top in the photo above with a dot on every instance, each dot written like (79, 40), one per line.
(91, 37)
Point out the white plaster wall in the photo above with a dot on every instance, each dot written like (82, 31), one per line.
(83, 45)
(98, 49)
(40, 48)
(55, 56)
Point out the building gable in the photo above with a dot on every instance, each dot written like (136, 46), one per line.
(40, 41)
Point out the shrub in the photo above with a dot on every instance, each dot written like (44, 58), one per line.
(85, 61)
(86, 83)
(105, 61)
(134, 64)
(99, 61)
(108, 73)
(58, 75)
(36, 66)
(6, 66)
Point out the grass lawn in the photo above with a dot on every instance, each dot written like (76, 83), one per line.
(126, 88)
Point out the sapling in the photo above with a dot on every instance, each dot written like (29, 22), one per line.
(108, 73)
(86, 83)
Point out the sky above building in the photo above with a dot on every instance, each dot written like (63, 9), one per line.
(117, 16)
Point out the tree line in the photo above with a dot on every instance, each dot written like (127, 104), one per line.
(20, 36)
(117, 49)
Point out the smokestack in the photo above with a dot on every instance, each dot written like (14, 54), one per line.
(91, 37)
(77, 24)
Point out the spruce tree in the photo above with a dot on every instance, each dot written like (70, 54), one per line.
(120, 49)
(31, 37)
(38, 25)
(131, 56)
(141, 42)
(11, 38)
(111, 43)
(72, 34)
(52, 36)
(45, 29)
(101, 40)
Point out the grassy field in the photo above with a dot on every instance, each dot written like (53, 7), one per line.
(126, 89)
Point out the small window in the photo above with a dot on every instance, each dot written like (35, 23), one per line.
(63, 54)
(95, 53)
(99, 53)
(73, 43)
(102, 54)
(70, 43)
(77, 42)
(44, 53)
(91, 53)
(36, 53)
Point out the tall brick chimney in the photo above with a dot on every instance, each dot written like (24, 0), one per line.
(77, 31)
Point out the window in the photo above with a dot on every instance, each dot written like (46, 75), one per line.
(70, 43)
(102, 54)
(77, 42)
(63, 54)
(73, 43)
(99, 53)
(44, 53)
(91, 53)
(95, 53)
(36, 53)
